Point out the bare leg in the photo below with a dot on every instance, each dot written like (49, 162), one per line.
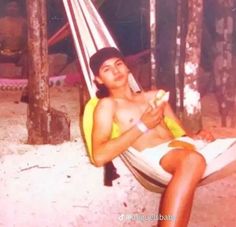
(187, 169)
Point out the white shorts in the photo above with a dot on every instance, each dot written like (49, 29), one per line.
(209, 151)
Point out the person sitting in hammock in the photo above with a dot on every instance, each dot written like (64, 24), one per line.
(142, 128)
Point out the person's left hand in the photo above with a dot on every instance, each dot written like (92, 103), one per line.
(204, 135)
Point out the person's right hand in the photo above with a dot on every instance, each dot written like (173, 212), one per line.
(153, 116)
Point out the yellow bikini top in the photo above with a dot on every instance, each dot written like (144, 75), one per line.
(175, 129)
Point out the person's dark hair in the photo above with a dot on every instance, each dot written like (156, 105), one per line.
(96, 61)
(102, 90)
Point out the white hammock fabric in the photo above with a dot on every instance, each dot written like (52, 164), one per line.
(89, 34)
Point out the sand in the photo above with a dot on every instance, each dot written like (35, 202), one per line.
(55, 185)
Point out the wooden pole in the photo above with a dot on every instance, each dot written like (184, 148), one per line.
(180, 55)
(153, 43)
(191, 95)
(38, 119)
(42, 121)
(223, 69)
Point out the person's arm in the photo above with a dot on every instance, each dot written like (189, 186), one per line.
(104, 148)
(203, 134)
(168, 111)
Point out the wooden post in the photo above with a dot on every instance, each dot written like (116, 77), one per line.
(192, 105)
(153, 43)
(180, 55)
(224, 77)
(44, 124)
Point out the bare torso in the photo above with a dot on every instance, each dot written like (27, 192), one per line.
(127, 114)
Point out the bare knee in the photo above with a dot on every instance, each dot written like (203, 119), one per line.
(193, 163)
(189, 161)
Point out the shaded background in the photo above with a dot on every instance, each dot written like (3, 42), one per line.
(128, 21)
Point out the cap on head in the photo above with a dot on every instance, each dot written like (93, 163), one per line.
(97, 59)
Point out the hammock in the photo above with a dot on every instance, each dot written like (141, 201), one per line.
(220, 155)
(90, 34)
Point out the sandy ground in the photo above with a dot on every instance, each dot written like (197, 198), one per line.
(54, 186)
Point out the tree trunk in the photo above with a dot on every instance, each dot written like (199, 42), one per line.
(44, 125)
(166, 47)
(153, 43)
(181, 31)
(192, 105)
(225, 80)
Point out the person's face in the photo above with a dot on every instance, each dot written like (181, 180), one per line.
(113, 73)
(12, 9)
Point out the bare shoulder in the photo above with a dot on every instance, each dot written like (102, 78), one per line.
(103, 119)
(106, 102)
(106, 106)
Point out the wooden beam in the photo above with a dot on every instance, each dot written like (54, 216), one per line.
(45, 125)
